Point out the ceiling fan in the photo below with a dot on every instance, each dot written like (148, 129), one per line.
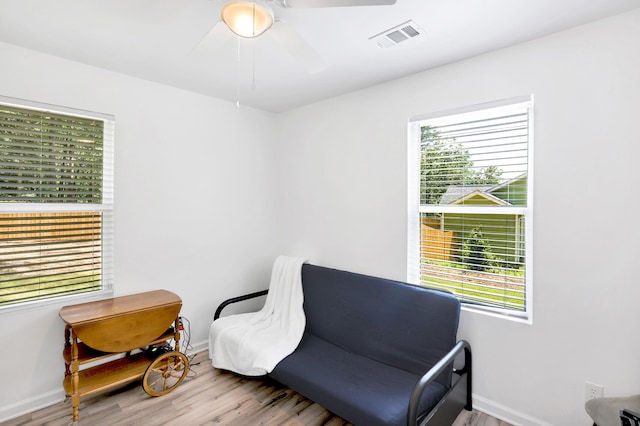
(252, 18)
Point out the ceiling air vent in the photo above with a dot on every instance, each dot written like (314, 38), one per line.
(397, 34)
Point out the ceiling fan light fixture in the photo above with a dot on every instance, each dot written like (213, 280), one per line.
(247, 19)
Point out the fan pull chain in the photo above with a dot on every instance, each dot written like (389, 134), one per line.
(254, 18)
(253, 50)
(253, 76)
(238, 75)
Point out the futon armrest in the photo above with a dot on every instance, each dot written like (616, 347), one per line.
(237, 299)
(435, 371)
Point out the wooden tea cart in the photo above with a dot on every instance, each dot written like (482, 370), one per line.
(125, 339)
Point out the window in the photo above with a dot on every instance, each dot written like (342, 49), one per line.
(56, 202)
(470, 205)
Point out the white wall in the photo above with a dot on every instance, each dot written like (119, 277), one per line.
(194, 211)
(343, 197)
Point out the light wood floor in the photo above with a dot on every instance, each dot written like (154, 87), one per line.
(207, 397)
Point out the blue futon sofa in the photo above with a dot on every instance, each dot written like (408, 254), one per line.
(377, 351)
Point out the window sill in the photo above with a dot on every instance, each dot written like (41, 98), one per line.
(498, 313)
(59, 301)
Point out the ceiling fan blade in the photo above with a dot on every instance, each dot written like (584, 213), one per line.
(217, 35)
(209, 8)
(297, 46)
(335, 3)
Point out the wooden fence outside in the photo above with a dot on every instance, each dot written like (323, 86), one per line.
(51, 226)
(436, 244)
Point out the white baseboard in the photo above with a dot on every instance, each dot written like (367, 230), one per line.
(505, 413)
(199, 347)
(30, 405)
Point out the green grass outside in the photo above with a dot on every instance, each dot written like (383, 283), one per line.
(15, 288)
(510, 272)
(484, 294)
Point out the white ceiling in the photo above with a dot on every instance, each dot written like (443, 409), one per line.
(168, 41)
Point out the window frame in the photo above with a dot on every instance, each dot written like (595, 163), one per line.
(413, 206)
(105, 207)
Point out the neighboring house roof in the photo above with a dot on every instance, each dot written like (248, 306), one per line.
(457, 194)
(485, 195)
(508, 182)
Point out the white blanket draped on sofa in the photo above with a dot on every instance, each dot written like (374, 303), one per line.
(252, 344)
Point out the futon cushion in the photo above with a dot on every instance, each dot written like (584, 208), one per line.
(394, 323)
(358, 389)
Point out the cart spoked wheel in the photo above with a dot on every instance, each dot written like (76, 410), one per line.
(165, 373)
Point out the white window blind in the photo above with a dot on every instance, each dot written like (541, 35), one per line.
(472, 205)
(56, 202)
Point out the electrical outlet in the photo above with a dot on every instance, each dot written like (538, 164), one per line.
(592, 391)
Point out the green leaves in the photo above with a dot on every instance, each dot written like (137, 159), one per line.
(445, 163)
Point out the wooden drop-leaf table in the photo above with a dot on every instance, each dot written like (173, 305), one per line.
(97, 332)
